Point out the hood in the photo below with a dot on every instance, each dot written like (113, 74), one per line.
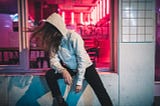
(56, 20)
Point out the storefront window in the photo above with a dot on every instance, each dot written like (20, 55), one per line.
(93, 25)
(91, 19)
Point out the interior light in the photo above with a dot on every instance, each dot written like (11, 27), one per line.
(103, 3)
(81, 18)
(97, 13)
(14, 17)
(89, 21)
(72, 17)
(107, 6)
(100, 9)
(93, 16)
(63, 16)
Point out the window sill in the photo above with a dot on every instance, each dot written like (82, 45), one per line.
(41, 71)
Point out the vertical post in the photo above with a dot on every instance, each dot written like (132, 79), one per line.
(23, 38)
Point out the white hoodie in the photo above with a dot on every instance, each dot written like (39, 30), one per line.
(71, 50)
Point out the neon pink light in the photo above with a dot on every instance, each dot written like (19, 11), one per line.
(107, 6)
(81, 18)
(103, 8)
(100, 9)
(93, 16)
(63, 16)
(72, 17)
(97, 12)
(89, 21)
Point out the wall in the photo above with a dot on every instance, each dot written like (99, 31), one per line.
(136, 52)
(136, 77)
(32, 90)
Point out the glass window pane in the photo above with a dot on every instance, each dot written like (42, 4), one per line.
(9, 42)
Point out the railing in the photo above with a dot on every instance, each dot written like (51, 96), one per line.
(9, 56)
(38, 58)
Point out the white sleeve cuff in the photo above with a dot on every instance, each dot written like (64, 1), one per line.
(79, 82)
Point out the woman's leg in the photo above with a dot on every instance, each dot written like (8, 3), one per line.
(51, 79)
(95, 82)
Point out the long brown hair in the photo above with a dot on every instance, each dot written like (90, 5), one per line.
(50, 36)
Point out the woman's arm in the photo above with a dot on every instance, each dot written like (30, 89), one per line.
(83, 58)
(56, 65)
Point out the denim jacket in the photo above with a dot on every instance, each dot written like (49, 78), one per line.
(73, 54)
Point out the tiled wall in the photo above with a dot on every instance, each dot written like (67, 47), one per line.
(136, 52)
(137, 21)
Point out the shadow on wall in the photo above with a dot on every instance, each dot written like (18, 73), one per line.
(157, 63)
(34, 91)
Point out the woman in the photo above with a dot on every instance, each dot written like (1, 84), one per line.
(68, 58)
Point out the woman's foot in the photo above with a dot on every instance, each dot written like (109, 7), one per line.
(59, 101)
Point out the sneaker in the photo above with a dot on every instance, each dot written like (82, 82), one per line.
(55, 103)
(59, 101)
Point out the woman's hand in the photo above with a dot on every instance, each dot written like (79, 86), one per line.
(67, 77)
(78, 88)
